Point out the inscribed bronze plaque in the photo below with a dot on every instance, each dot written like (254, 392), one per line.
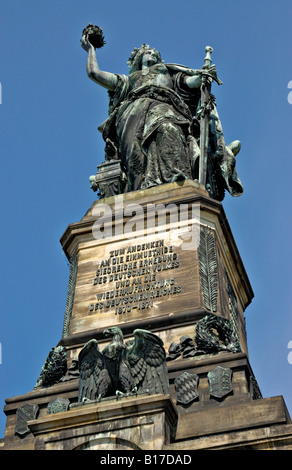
(132, 280)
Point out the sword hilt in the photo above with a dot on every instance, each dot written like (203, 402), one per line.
(208, 60)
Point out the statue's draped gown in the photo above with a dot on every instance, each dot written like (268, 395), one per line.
(150, 123)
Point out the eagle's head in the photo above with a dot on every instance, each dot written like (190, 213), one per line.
(113, 331)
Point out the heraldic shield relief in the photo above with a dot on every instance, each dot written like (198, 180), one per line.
(186, 388)
(220, 382)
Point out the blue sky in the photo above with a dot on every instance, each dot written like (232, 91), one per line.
(49, 146)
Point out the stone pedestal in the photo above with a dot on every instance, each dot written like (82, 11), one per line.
(164, 277)
(164, 260)
(141, 423)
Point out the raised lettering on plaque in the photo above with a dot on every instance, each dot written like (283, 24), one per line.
(133, 278)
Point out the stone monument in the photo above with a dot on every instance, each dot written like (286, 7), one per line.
(153, 353)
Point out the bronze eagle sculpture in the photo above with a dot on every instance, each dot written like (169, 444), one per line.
(136, 367)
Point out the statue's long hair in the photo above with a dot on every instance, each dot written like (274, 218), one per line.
(135, 60)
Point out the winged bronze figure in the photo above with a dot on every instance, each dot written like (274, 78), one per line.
(136, 367)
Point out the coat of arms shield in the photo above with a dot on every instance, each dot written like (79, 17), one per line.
(186, 388)
(220, 382)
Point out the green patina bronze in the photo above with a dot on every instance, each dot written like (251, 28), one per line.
(162, 126)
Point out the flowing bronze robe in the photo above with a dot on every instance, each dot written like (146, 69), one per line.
(150, 123)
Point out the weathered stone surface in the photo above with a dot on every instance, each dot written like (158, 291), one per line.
(146, 422)
(150, 277)
(207, 340)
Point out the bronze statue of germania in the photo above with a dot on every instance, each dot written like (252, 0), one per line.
(154, 127)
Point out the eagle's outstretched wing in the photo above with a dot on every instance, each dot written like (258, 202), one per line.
(94, 380)
(147, 360)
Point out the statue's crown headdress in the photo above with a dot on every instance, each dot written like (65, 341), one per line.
(134, 61)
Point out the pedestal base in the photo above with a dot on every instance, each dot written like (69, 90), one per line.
(146, 422)
(192, 297)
